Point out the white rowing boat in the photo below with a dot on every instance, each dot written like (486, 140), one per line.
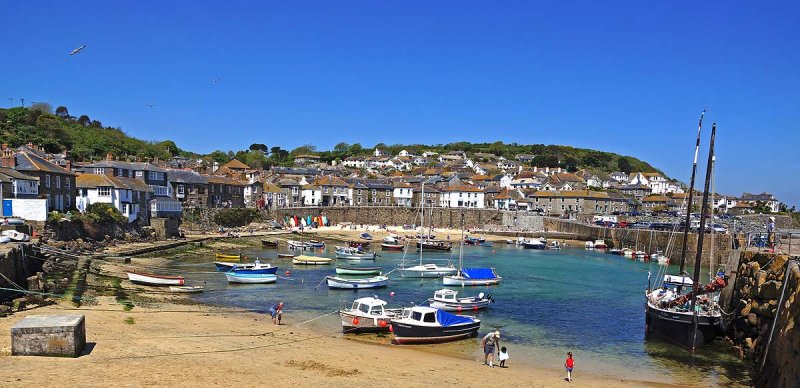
(155, 280)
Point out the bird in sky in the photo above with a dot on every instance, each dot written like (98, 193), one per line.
(149, 105)
(215, 80)
(77, 50)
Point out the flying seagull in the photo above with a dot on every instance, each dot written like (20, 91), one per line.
(77, 50)
(215, 80)
(149, 105)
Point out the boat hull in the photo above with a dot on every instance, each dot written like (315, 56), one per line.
(412, 272)
(353, 324)
(251, 278)
(534, 246)
(261, 270)
(434, 247)
(153, 280)
(311, 260)
(186, 289)
(415, 334)
(355, 256)
(462, 281)
(392, 247)
(269, 243)
(358, 271)
(678, 327)
(458, 306)
(357, 284)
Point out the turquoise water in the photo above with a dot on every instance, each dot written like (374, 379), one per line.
(548, 303)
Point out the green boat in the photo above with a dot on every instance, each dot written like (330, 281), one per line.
(354, 270)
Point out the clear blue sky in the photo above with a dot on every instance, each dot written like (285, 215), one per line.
(629, 77)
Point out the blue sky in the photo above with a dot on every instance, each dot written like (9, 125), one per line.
(629, 77)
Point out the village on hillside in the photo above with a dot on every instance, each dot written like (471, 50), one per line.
(155, 188)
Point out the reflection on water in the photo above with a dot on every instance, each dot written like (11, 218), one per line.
(548, 303)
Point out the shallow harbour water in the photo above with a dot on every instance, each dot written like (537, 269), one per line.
(549, 302)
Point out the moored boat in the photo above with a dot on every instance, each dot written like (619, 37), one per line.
(365, 236)
(229, 257)
(286, 255)
(627, 252)
(426, 325)
(367, 315)
(258, 268)
(250, 278)
(356, 270)
(472, 277)
(392, 247)
(353, 254)
(488, 244)
(600, 244)
(338, 282)
(589, 245)
(434, 245)
(555, 245)
(311, 260)
(448, 300)
(534, 243)
(269, 243)
(13, 235)
(186, 289)
(155, 280)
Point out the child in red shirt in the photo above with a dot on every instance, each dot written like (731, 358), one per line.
(569, 364)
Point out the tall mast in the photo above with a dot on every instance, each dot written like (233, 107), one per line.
(689, 202)
(422, 221)
(461, 246)
(702, 231)
(713, 259)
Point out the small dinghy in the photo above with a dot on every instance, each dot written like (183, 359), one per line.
(448, 300)
(392, 247)
(311, 260)
(286, 255)
(367, 315)
(257, 268)
(269, 243)
(365, 236)
(358, 271)
(353, 254)
(150, 279)
(337, 282)
(427, 325)
(229, 257)
(589, 245)
(4, 239)
(555, 245)
(186, 289)
(13, 235)
(250, 278)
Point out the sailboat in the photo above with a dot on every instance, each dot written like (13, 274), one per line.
(428, 270)
(693, 318)
(470, 276)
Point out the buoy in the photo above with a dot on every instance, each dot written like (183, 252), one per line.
(382, 324)
(355, 321)
(474, 308)
(391, 293)
(458, 308)
(288, 273)
(391, 330)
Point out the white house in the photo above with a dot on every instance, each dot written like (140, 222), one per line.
(379, 153)
(128, 195)
(22, 186)
(420, 161)
(524, 183)
(355, 162)
(506, 180)
(403, 194)
(462, 197)
(311, 195)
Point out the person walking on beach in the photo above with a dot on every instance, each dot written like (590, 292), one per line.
(276, 311)
(569, 364)
(489, 343)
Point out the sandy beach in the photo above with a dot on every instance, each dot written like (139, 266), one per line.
(189, 345)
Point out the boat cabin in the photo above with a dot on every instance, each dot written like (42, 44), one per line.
(445, 295)
(421, 314)
(369, 306)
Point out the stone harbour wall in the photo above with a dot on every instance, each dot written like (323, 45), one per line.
(16, 265)
(765, 320)
(396, 215)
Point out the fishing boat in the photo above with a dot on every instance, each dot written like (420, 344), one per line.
(258, 268)
(470, 240)
(286, 255)
(693, 318)
(488, 244)
(423, 270)
(600, 244)
(298, 245)
(250, 278)
(627, 252)
(511, 242)
(589, 245)
(640, 255)
(427, 325)
(155, 280)
(615, 251)
(229, 257)
(316, 244)
(357, 271)
(13, 235)
(659, 257)
(311, 260)
(224, 266)
(338, 282)
(448, 300)
(534, 243)
(269, 243)
(470, 276)
(186, 289)
(555, 245)
(365, 236)
(367, 315)
(434, 245)
(353, 254)
(392, 243)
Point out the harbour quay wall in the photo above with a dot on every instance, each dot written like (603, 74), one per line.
(16, 265)
(649, 241)
(765, 317)
(399, 215)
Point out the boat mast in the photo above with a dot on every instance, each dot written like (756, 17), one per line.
(422, 221)
(689, 200)
(461, 246)
(702, 232)
(712, 260)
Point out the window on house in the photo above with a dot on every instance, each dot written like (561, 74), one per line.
(58, 181)
(388, 193)
(99, 171)
(67, 183)
(139, 174)
(103, 191)
(47, 181)
(180, 189)
(374, 192)
(68, 202)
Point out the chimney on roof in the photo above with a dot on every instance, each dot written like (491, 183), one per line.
(30, 145)
(67, 160)
(109, 156)
(8, 159)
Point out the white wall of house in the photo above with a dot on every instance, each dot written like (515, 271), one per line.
(121, 199)
(402, 196)
(311, 197)
(29, 209)
(24, 187)
(461, 199)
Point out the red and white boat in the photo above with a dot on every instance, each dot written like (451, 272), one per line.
(155, 280)
(600, 244)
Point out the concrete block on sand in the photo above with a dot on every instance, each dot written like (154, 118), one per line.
(49, 335)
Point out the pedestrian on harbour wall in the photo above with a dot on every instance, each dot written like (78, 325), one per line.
(569, 364)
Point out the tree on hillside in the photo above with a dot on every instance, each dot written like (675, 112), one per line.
(570, 163)
(41, 107)
(259, 147)
(84, 120)
(355, 149)
(62, 112)
(170, 147)
(341, 148)
(219, 157)
(304, 149)
(623, 164)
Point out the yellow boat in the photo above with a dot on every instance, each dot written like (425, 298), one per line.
(311, 260)
(228, 257)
